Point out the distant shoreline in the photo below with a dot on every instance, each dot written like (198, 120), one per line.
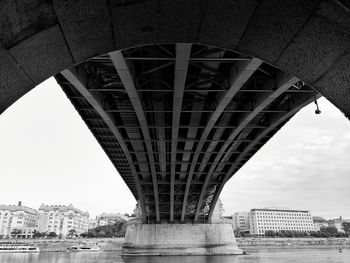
(115, 244)
(263, 242)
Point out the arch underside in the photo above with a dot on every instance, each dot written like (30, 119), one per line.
(178, 120)
(194, 139)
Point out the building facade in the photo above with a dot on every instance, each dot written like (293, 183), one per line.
(261, 220)
(62, 219)
(17, 221)
(241, 221)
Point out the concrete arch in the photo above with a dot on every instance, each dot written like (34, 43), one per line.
(308, 39)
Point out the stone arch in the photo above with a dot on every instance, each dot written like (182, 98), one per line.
(310, 40)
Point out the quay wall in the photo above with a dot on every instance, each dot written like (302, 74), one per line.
(292, 242)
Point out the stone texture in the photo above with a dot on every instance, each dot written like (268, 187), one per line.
(139, 18)
(87, 27)
(224, 24)
(22, 19)
(14, 83)
(43, 55)
(179, 21)
(334, 85)
(180, 239)
(273, 26)
(319, 44)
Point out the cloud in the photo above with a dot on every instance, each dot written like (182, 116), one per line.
(304, 166)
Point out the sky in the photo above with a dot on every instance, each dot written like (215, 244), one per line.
(49, 156)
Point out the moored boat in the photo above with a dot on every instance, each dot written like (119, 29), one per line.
(85, 247)
(18, 248)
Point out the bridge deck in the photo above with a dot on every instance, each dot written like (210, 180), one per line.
(178, 120)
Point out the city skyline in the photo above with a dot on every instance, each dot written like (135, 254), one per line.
(49, 152)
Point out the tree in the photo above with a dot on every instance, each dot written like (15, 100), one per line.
(101, 234)
(15, 232)
(92, 233)
(329, 231)
(270, 233)
(37, 234)
(72, 232)
(346, 227)
(52, 234)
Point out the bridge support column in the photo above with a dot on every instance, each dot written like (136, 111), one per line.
(180, 239)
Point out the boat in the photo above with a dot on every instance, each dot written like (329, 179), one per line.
(85, 247)
(18, 248)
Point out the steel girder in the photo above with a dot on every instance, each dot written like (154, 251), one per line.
(178, 120)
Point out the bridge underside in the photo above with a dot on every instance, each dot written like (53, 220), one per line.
(179, 120)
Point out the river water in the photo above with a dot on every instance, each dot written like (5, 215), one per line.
(253, 255)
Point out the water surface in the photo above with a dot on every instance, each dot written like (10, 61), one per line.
(254, 255)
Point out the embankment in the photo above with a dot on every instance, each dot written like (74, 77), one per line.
(115, 244)
(61, 245)
(293, 242)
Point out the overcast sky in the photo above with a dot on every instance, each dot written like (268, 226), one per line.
(49, 156)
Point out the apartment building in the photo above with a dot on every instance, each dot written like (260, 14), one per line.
(61, 219)
(241, 221)
(274, 219)
(17, 221)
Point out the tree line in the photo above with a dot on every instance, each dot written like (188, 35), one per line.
(324, 232)
(117, 229)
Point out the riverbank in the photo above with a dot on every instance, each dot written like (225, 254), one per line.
(262, 242)
(115, 244)
(61, 245)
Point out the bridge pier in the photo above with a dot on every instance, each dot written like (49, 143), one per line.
(180, 239)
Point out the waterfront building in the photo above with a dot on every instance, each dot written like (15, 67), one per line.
(110, 218)
(274, 219)
(17, 218)
(62, 219)
(337, 223)
(319, 222)
(241, 221)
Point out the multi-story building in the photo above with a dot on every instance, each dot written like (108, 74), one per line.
(62, 219)
(17, 221)
(261, 220)
(241, 221)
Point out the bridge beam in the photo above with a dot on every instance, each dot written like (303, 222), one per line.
(79, 79)
(183, 53)
(281, 83)
(128, 81)
(240, 73)
(276, 120)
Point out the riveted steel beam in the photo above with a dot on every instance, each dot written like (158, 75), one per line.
(183, 52)
(240, 73)
(282, 82)
(78, 78)
(130, 86)
(275, 121)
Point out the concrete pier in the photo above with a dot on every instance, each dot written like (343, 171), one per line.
(180, 239)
